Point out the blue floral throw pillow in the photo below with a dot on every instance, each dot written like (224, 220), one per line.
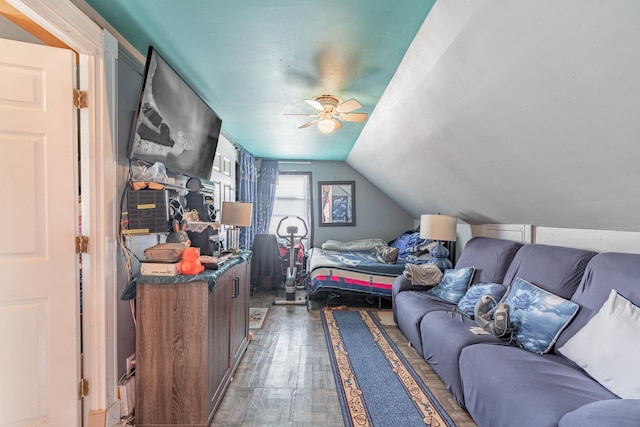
(454, 284)
(538, 316)
(477, 291)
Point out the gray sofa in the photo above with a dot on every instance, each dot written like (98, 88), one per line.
(500, 383)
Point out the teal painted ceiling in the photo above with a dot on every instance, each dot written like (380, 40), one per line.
(255, 61)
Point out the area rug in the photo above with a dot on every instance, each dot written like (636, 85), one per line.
(257, 316)
(376, 384)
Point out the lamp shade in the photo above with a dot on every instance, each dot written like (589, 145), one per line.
(236, 213)
(438, 227)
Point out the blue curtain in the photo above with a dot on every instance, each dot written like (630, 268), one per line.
(246, 192)
(266, 194)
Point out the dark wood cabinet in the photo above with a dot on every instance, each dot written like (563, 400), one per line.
(189, 342)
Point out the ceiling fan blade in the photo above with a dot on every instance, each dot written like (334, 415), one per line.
(338, 124)
(348, 105)
(308, 123)
(353, 117)
(315, 104)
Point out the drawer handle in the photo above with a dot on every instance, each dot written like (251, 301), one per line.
(236, 287)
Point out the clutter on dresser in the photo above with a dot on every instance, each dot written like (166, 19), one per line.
(163, 259)
(164, 252)
(191, 261)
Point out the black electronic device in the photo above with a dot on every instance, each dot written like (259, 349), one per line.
(147, 211)
(203, 204)
(203, 240)
(176, 209)
(172, 124)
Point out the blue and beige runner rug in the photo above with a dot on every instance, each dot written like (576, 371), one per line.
(376, 384)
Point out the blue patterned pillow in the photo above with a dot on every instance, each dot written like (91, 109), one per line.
(538, 316)
(477, 291)
(454, 284)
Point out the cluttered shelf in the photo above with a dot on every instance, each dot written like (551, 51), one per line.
(208, 276)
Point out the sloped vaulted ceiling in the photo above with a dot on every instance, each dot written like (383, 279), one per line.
(514, 112)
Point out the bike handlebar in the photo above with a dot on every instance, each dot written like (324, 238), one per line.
(299, 236)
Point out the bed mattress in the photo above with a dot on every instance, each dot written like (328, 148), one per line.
(355, 271)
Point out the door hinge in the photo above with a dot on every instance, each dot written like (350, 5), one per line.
(82, 244)
(83, 388)
(80, 98)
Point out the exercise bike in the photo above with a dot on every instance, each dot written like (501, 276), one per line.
(295, 271)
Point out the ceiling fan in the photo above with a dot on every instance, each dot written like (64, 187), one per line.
(330, 111)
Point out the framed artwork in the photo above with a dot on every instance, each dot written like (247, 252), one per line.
(337, 201)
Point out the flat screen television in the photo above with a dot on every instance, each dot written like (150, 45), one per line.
(172, 124)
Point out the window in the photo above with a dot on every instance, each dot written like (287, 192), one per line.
(293, 198)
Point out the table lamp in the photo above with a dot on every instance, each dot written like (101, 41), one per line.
(439, 228)
(235, 214)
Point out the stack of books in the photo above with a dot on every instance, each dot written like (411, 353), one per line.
(163, 259)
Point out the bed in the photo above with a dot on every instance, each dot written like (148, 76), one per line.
(352, 267)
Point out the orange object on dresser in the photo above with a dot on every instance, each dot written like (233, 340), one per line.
(191, 261)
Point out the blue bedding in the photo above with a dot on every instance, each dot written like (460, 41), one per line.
(357, 271)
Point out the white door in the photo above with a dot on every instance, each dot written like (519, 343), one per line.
(39, 302)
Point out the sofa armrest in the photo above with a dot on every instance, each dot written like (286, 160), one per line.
(614, 412)
(400, 284)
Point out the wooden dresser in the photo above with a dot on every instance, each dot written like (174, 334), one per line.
(190, 338)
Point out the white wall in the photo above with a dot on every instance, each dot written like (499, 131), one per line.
(514, 112)
(592, 240)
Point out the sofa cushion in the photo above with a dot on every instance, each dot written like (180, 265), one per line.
(604, 272)
(554, 268)
(614, 412)
(537, 316)
(490, 257)
(607, 347)
(475, 292)
(508, 386)
(454, 284)
(412, 306)
(444, 335)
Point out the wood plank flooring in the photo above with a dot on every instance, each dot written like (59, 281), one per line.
(285, 377)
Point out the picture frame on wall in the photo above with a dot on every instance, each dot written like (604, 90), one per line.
(337, 202)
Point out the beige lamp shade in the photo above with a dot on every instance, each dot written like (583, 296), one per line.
(438, 227)
(236, 213)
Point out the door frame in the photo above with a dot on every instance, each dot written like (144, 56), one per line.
(97, 52)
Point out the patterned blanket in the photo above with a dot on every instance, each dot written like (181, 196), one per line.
(357, 271)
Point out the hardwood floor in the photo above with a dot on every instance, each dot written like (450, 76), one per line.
(285, 377)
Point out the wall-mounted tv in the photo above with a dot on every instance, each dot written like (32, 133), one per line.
(172, 124)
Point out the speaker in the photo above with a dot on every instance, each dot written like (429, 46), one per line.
(211, 211)
(147, 211)
(202, 204)
(176, 210)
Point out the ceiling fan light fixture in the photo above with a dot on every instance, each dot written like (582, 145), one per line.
(327, 125)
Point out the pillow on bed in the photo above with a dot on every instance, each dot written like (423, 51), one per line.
(353, 245)
(454, 284)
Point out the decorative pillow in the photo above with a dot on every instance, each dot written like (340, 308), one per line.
(477, 291)
(607, 347)
(454, 284)
(538, 316)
